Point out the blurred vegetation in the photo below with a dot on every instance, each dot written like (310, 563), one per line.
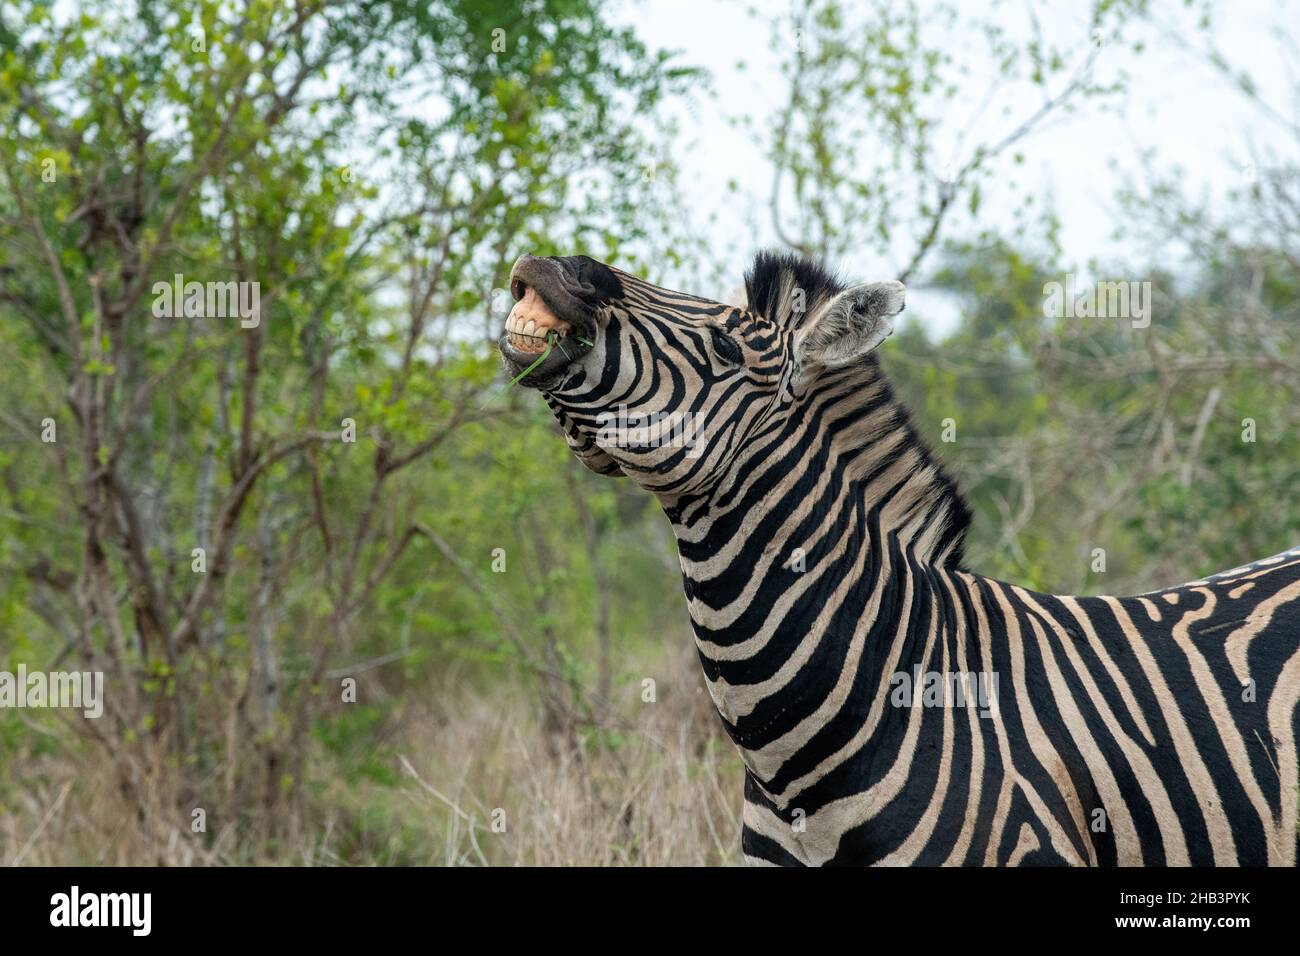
(513, 624)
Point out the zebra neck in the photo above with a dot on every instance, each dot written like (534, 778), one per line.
(824, 548)
(846, 444)
(779, 645)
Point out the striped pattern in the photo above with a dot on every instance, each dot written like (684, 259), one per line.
(845, 647)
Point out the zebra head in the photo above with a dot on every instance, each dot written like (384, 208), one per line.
(665, 387)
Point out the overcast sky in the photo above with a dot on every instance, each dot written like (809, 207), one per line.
(1177, 106)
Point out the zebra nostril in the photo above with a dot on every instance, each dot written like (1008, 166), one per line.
(518, 288)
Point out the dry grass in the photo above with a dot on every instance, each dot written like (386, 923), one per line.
(69, 810)
(663, 788)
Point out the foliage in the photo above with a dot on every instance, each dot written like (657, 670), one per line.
(236, 515)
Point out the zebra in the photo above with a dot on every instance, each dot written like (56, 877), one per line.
(889, 705)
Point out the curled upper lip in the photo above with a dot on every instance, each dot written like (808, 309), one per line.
(568, 321)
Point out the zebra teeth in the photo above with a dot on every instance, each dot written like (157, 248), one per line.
(531, 317)
(531, 337)
(527, 343)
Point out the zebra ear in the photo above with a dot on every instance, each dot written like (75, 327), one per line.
(850, 325)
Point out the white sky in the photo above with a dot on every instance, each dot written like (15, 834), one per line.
(1177, 107)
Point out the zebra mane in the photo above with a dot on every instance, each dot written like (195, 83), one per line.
(770, 286)
(944, 499)
(772, 281)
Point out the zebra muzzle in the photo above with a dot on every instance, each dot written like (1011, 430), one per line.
(549, 326)
(531, 324)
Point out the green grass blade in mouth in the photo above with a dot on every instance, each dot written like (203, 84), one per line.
(538, 361)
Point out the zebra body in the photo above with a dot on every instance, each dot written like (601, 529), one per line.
(891, 707)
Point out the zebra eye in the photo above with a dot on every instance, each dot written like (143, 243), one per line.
(725, 346)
